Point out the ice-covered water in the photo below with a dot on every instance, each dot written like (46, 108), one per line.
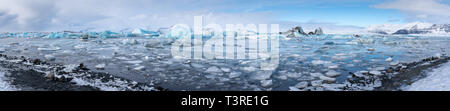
(315, 61)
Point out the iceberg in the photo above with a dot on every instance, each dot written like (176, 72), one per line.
(109, 34)
(141, 32)
(55, 35)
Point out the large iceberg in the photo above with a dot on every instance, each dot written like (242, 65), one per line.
(141, 32)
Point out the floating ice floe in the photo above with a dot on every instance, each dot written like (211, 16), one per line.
(380, 68)
(249, 69)
(375, 72)
(130, 42)
(139, 68)
(224, 69)
(70, 67)
(197, 66)
(50, 57)
(261, 75)
(293, 75)
(213, 69)
(316, 74)
(266, 83)
(389, 59)
(48, 49)
(332, 73)
(234, 74)
(320, 62)
(394, 63)
(294, 89)
(316, 83)
(100, 66)
(333, 67)
(301, 85)
(134, 62)
(329, 79)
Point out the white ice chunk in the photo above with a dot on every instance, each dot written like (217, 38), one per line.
(316, 83)
(394, 63)
(377, 73)
(316, 74)
(332, 73)
(234, 74)
(249, 69)
(266, 83)
(100, 66)
(134, 62)
(389, 59)
(320, 62)
(333, 67)
(329, 79)
(49, 57)
(262, 75)
(139, 68)
(224, 69)
(301, 85)
(213, 69)
(294, 89)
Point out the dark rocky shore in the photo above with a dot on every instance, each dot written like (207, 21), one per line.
(27, 74)
(396, 77)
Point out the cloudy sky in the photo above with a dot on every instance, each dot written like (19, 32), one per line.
(58, 15)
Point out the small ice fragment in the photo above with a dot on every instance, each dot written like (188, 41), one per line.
(394, 63)
(249, 69)
(332, 73)
(197, 66)
(319, 62)
(333, 67)
(294, 89)
(380, 68)
(262, 75)
(48, 49)
(100, 66)
(213, 69)
(134, 62)
(293, 75)
(70, 67)
(364, 72)
(266, 83)
(377, 73)
(301, 85)
(224, 69)
(316, 83)
(282, 77)
(438, 55)
(329, 79)
(49, 57)
(235, 74)
(140, 68)
(130, 42)
(315, 74)
(389, 59)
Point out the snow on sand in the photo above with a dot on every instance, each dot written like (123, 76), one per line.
(436, 80)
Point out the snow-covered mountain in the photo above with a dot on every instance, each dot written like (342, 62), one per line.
(410, 28)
